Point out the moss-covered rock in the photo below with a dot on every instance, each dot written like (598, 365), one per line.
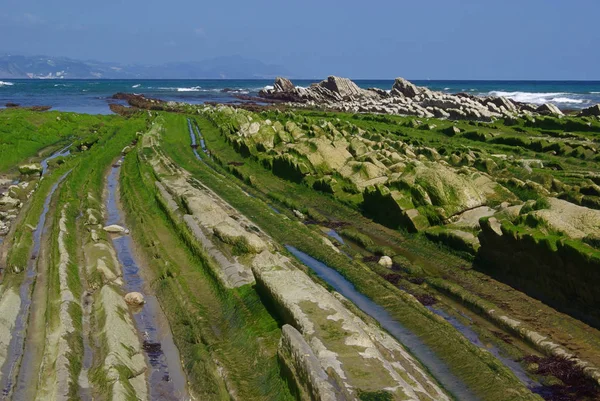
(30, 169)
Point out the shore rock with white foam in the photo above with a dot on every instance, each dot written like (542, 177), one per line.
(405, 98)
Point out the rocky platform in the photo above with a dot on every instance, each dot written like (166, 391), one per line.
(323, 341)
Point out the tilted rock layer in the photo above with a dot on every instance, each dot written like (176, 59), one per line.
(404, 98)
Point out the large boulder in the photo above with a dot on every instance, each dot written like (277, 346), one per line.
(343, 86)
(283, 85)
(402, 87)
(283, 90)
(591, 111)
(549, 109)
(504, 102)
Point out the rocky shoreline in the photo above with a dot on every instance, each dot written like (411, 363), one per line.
(405, 98)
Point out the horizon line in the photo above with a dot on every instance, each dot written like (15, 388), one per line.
(304, 79)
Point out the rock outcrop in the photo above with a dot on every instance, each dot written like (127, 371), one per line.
(549, 109)
(30, 169)
(591, 111)
(401, 184)
(333, 89)
(322, 360)
(550, 253)
(12, 198)
(402, 87)
(405, 98)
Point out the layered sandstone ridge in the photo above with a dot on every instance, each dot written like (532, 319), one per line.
(323, 343)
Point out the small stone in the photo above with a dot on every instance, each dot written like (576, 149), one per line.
(385, 261)
(134, 298)
(116, 229)
(299, 214)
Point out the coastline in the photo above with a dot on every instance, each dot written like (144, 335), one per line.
(92, 96)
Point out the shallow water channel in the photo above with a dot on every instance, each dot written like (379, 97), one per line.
(166, 378)
(473, 337)
(17, 342)
(194, 130)
(422, 352)
(334, 234)
(60, 153)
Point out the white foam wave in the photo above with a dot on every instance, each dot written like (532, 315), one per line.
(269, 87)
(567, 100)
(595, 93)
(136, 85)
(4, 83)
(446, 89)
(192, 89)
(532, 97)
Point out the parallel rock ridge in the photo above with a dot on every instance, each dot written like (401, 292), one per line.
(323, 342)
(405, 98)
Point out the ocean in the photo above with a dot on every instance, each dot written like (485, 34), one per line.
(93, 96)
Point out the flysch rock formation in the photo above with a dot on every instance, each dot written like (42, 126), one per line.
(214, 224)
(547, 250)
(111, 322)
(322, 340)
(10, 304)
(332, 340)
(404, 98)
(56, 386)
(404, 182)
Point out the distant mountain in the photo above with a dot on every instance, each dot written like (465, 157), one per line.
(42, 67)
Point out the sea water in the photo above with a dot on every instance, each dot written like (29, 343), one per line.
(94, 96)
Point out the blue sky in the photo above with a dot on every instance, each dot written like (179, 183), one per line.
(428, 39)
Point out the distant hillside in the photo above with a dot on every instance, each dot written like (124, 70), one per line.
(59, 67)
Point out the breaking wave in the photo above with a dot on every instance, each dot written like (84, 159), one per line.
(4, 83)
(136, 85)
(539, 97)
(192, 89)
(567, 100)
